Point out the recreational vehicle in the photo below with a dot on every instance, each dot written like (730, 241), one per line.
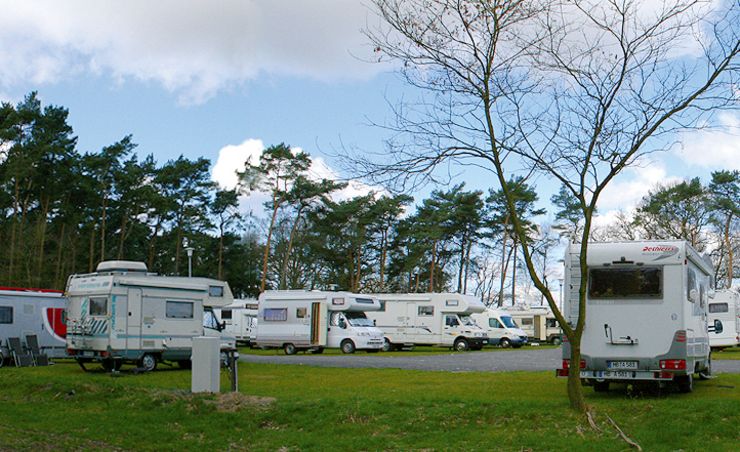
(724, 320)
(646, 313)
(39, 312)
(430, 319)
(122, 313)
(539, 324)
(313, 320)
(501, 328)
(240, 320)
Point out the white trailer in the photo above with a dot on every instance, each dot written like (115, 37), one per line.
(501, 328)
(646, 313)
(122, 313)
(539, 324)
(39, 312)
(430, 319)
(314, 320)
(724, 320)
(240, 320)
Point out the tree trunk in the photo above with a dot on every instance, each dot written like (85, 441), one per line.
(91, 256)
(383, 251)
(284, 268)
(42, 241)
(13, 232)
(122, 238)
(431, 269)
(513, 272)
(103, 218)
(730, 254)
(266, 254)
(221, 252)
(60, 246)
(467, 266)
(461, 269)
(575, 388)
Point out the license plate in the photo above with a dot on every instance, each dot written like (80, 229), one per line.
(617, 374)
(621, 364)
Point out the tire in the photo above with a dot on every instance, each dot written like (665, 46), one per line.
(601, 386)
(148, 362)
(685, 383)
(556, 340)
(348, 347)
(706, 373)
(317, 351)
(2, 359)
(289, 349)
(461, 345)
(504, 342)
(387, 346)
(111, 365)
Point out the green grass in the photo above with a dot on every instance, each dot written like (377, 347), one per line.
(728, 353)
(311, 408)
(415, 351)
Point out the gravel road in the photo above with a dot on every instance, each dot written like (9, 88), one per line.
(529, 359)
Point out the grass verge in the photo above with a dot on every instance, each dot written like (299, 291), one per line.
(415, 351)
(286, 407)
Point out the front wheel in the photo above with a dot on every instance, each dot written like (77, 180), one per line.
(289, 349)
(387, 346)
(505, 343)
(348, 347)
(148, 362)
(461, 345)
(556, 341)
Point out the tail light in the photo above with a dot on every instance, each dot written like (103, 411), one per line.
(564, 338)
(680, 336)
(566, 364)
(663, 375)
(673, 364)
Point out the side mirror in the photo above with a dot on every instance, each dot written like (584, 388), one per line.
(222, 326)
(342, 324)
(693, 295)
(718, 328)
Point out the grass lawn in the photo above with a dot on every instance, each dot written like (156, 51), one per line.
(286, 407)
(415, 351)
(728, 353)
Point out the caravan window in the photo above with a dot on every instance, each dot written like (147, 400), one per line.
(714, 308)
(98, 306)
(6, 314)
(300, 313)
(215, 291)
(690, 283)
(620, 283)
(527, 321)
(275, 314)
(551, 323)
(452, 302)
(494, 323)
(179, 310)
(426, 311)
(226, 314)
(451, 320)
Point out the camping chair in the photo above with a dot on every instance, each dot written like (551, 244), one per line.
(20, 357)
(40, 359)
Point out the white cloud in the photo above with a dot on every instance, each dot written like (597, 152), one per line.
(716, 148)
(231, 158)
(193, 48)
(632, 185)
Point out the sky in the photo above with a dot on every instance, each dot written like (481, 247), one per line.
(223, 79)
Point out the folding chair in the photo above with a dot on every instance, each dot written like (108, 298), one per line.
(40, 359)
(2, 355)
(20, 357)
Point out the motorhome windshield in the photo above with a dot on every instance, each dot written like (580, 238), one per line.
(358, 319)
(508, 321)
(210, 320)
(624, 283)
(466, 320)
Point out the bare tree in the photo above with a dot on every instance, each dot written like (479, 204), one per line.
(575, 90)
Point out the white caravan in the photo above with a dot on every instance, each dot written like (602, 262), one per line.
(724, 320)
(501, 328)
(539, 324)
(123, 313)
(240, 320)
(39, 312)
(646, 313)
(430, 319)
(313, 320)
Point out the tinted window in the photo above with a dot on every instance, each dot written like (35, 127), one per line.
(215, 291)
(98, 306)
(551, 323)
(451, 320)
(690, 284)
(452, 302)
(718, 307)
(225, 315)
(275, 315)
(6, 314)
(426, 310)
(179, 310)
(300, 313)
(494, 323)
(643, 282)
(364, 300)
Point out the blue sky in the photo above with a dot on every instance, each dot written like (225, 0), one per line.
(203, 78)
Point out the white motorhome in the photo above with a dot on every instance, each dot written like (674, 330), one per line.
(539, 324)
(724, 319)
(430, 319)
(646, 313)
(313, 320)
(240, 320)
(39, 312)
(122, 313)
(501, 328)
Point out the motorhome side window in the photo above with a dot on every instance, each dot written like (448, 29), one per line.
(216, 291)
(625, 283)
(275, 314)
(426, 311)
(494, 323)
(551, 323)
(527, 321)
(300, 313)
(690, 284)
(714, 308)
(98, 306)
(451, 320)
(226, 314)
(452, 302)
(6, 314)
(179, 310)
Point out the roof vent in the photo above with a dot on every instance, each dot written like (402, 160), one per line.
(121, 267)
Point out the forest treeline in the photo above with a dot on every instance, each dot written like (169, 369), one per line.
(63, 211)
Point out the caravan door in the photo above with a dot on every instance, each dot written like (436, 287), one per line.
(133, 320)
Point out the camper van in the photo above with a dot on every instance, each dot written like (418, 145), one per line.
(122, 313)
(539, 324)
(501, 328)
(430, 319)
(646, 313)
(314, 320)
(39, 312)
(724, 320)
(240, 320)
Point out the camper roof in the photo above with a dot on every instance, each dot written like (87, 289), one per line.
(121, 267)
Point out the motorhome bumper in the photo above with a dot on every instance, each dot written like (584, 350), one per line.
(477, 341)
(626, 375)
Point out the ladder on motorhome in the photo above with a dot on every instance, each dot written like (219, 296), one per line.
(573, 281)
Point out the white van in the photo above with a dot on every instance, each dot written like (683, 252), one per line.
(240, 320)
(313, 320)
(724, 320)
(646, 313)
(539, 324)
(122, 313)
(430, 319)
(502, 329)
